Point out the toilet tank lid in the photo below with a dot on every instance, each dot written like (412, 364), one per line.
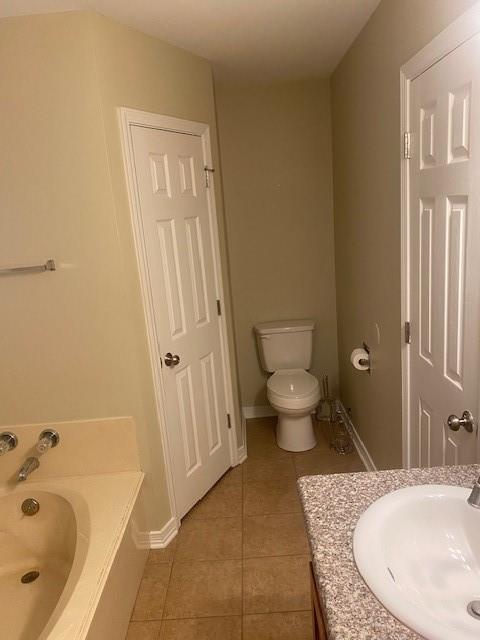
(284, 326)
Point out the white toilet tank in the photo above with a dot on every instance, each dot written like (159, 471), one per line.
(285, 344)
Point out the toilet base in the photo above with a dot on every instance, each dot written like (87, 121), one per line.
(295, 433)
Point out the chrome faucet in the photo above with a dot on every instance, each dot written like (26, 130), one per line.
(8, 441)
(47, 440)
(27, 467)
(474, 497)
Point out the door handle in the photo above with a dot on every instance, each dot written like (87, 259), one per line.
(467, 421)
(171, 360)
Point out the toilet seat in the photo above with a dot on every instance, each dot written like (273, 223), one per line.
(292, 383)
(293, 388)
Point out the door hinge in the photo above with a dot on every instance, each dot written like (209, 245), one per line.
(407, 145)
(229, 421)
(219, 308)
(408, 335)
(208, 171)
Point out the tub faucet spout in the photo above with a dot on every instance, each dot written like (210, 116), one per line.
(474, 498)
(27, 467)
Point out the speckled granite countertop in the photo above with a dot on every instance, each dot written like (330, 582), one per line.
(332, 505)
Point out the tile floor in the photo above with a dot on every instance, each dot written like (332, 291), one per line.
(239, 565)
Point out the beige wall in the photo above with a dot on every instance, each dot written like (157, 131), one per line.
(73, 343)
(275, 145)
(366, 139)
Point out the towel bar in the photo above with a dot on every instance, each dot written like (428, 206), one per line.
(36, 268)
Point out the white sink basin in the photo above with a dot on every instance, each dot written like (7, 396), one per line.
(418, 549)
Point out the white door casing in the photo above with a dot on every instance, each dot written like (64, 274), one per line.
(442, 261)
(177, 246)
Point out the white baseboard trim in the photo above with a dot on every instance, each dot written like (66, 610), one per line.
(158, 539)
(250, 412)
(357, 441)
(242, 454)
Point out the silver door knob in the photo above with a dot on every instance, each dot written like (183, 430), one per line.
(467, 421)
(171, 360)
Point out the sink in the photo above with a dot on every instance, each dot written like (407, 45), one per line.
(418, 549)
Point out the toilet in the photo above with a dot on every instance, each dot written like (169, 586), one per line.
(285, 349)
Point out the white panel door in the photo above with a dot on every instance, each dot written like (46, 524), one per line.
(445, 257)
(178, 235)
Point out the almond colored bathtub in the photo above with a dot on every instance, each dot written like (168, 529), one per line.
(83, 546)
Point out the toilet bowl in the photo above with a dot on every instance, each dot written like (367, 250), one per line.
(285, 348)
(294, 394)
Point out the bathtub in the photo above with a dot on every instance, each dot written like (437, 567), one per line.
(71, 570)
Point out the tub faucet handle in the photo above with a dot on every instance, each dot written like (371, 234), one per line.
(8, 441)
(48, 439)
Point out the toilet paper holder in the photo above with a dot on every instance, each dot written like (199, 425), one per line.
(366, 360)
(360, 358)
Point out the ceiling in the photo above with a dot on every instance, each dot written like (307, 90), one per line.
(246, 40)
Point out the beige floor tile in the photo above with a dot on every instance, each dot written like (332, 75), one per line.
(212, 539)
(322, 432)
(295, 625)
(261, 441)
(234, 474)
(223, 500)
(144, 630)
(314, 463)
(274, 496)
(261, 428)
(260, 470)
(268, 450)
(228, 628)
(209, 588)
(195, 584)
(274, 535)
(160, 556)
(276, 584)
(152, 592)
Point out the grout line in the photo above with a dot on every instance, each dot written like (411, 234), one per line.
(169, 580)
(243, 543)
(203, 518)
(222, 615)
(228, 615)
(272, 613)
(282, 555)
(242, 556)
(194, 560)
(274, 513)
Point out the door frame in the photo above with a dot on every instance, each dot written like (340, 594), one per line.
(457, 33)
(128, 118)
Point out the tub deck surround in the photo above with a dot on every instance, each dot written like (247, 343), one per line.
(332, 505)
(103, 507)
(86, 447)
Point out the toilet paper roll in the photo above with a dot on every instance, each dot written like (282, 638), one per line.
(360, 359)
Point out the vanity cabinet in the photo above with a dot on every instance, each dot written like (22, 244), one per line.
(318, 623)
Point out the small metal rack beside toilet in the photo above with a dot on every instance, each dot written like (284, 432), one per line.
(340, 440)
(338, 434)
